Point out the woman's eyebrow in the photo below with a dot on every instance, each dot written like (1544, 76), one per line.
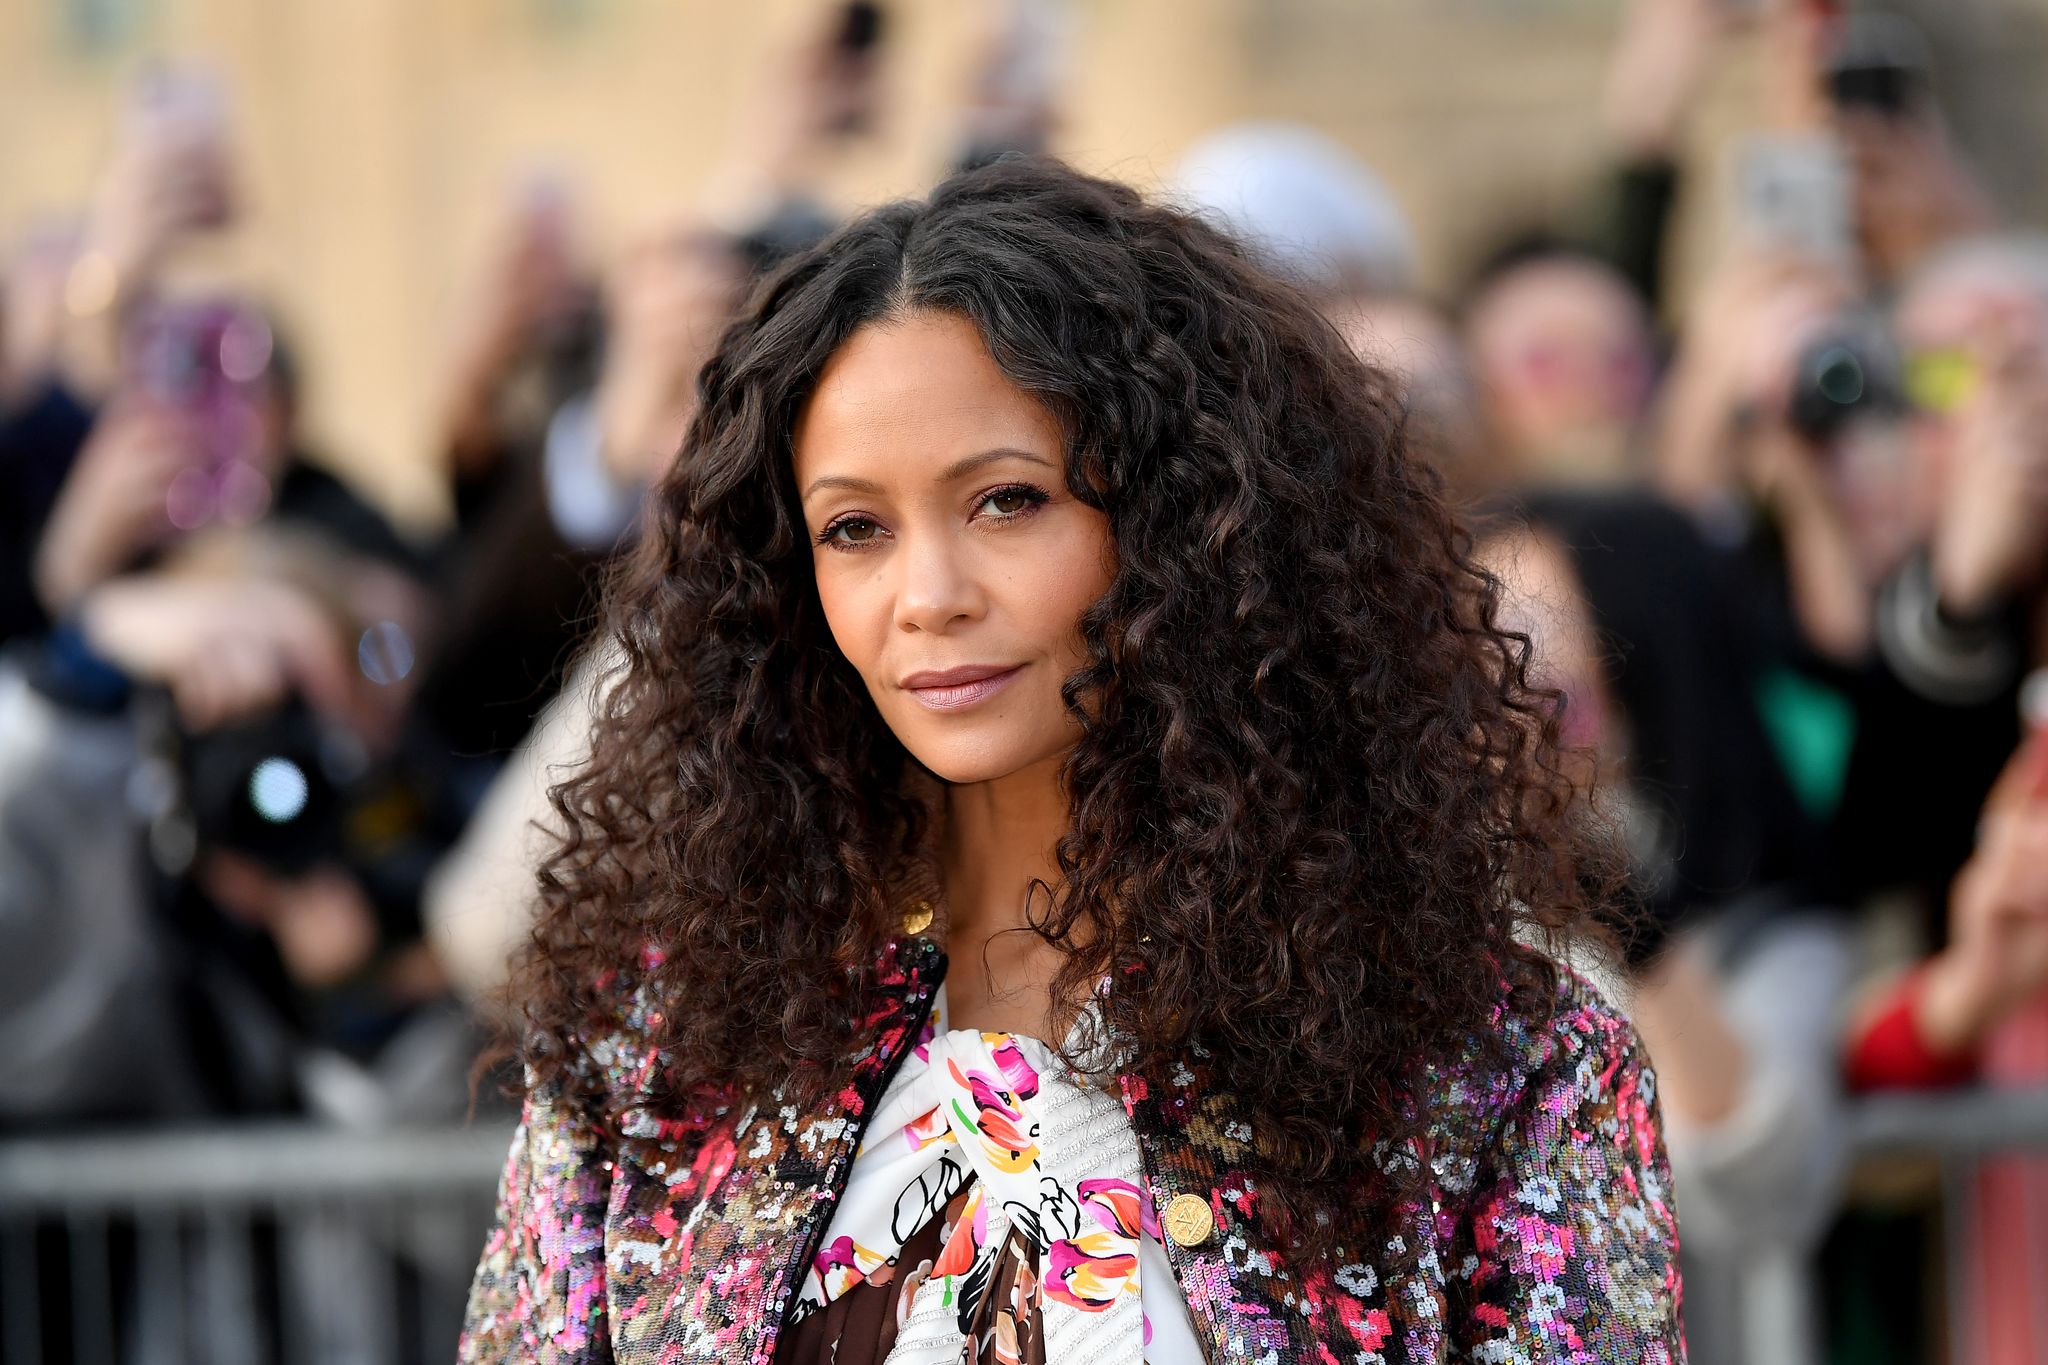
(958, 469)
(963, 467)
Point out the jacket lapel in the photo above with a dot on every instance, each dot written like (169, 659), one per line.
(1194, 1141)
(1248, 1305)
(710, 1238)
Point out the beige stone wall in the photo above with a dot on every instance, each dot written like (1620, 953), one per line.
(382, 135)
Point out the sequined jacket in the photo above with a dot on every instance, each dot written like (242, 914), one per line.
(1548, 1235)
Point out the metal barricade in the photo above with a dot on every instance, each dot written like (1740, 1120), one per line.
(1955, 1129)
(243, 1245)
(1958, 1129)
(246, 1245)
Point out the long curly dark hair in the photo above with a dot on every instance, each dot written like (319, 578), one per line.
(1316, 802)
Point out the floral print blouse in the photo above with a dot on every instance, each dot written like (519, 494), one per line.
(995, 1215)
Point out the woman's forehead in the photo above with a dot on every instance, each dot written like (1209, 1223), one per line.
(911, 391)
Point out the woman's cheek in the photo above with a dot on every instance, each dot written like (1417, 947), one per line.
(846, 612)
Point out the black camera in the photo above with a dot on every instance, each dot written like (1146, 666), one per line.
(1850, 371)
(274, 789)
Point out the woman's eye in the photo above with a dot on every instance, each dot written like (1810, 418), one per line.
(1008, 502)
(852, 531)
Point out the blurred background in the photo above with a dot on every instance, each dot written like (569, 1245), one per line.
(338, 342)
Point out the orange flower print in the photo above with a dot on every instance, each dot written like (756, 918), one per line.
(998, 1117)
(1119, 1206)
(927, 1128)
(963, 1238)
(1089, 1271)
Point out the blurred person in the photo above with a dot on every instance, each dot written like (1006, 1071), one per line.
(170, 810)
(1978, 1010)
(77, 293)
(1962, 614)
(42, 424)
(1736, 966)
(517, 583)
(544, 507)
(1416, 345)
(962, 423)
(1911, 191)
(1790, 430)
(1565, 359)
(524, 339)
(198, 448)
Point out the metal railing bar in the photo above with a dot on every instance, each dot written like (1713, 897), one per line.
(163, 1283)
(92, 1288)
(228, 1327)
(1950, 1123)
(23, 1315)
(253, 1164)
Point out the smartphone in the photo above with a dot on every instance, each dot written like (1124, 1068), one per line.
(1794, 192)
(208, 360)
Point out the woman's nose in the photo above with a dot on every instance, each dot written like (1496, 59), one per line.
(937, 587)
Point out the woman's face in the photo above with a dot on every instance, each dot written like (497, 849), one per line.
(952, 561)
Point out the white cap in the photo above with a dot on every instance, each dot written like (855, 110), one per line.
(1306, 207)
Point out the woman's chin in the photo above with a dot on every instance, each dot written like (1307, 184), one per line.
(965, 758)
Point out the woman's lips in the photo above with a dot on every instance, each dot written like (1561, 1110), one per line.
(943, 693)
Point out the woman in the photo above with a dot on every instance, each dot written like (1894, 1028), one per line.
(1051, 875)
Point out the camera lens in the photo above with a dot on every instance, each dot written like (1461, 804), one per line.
(1843, 375)
(278, 790)
(1839, 376)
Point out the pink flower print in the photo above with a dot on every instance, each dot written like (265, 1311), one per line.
(1547, 1245)
(843, 1265)
(713, 1160)
(927, 1128)
(1019, 1078)
(997, 1118)
(1119, 1206)
(1089, 1271)
(1371, 1327)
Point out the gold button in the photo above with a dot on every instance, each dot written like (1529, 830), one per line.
(1187, 1220)
(918, 917)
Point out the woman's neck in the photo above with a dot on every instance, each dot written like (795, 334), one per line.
(998, 839)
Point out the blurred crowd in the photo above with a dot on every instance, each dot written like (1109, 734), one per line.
(273, 774)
